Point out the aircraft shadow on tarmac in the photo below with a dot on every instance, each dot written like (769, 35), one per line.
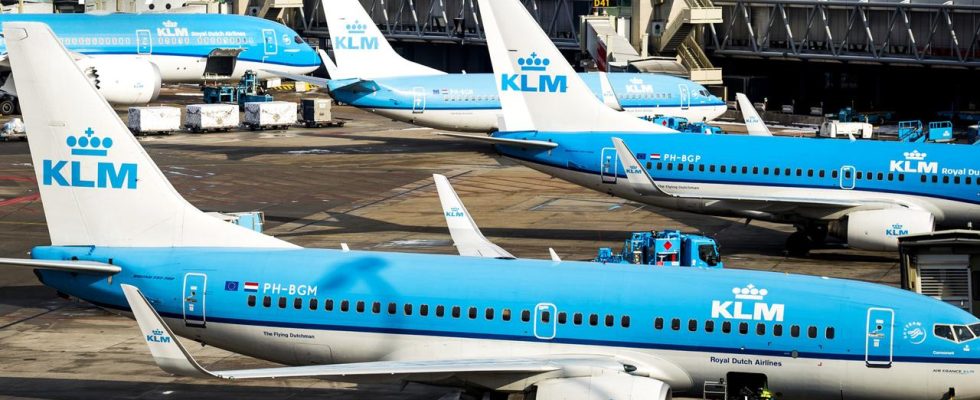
(57, 389)
(377, 145)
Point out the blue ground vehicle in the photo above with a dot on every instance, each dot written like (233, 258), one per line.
(682, 125)
(669, 248)
(937, 132)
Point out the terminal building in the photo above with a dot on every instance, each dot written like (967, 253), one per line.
(944, 265)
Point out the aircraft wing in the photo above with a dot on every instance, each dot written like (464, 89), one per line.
(467, 238)
(89, 267)
(641, 181)
(172, 357)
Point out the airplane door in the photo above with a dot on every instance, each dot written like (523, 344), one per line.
(194, 294)
(685, 94)
(847, 177)
(880, 335)
(270, 46)
(418, 100)
(545, 324)
(144, 44)
(608, 165)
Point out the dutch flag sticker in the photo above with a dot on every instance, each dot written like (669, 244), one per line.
(251, 286)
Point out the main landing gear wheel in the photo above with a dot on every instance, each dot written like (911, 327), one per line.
(798, 244)
(7, 107)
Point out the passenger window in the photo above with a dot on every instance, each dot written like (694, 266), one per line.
(690, 167)
(811, 332)
(344, 306)
(440, 311)
(743, 328)
(297, 303)
(946, 179)
(692, 325)
(488, 314)
(944, 332)
(809, 173)
(777, 330)
(935, 179)
(376, 307)
(881, 176)
(408, 309)
(360, 306)
(594, 319)
(313, 304)
(424, 310)
(709, 326)
(675, 324)
(609, 320)
(282, 302)
(787, 172)
(505, 315)
(471, 312)
(712, 168)
(458, 311)
(251, 300)
(327, 305)
(658, 323)
(901, 178)
(765, 171)
(577, 319)
(755, 170)
(822, 174)
(923, 178)
(799, 172)
(726, 327)
(392, 308)
(775, 171)
(891, 176)
(525, 316)
(830, 332)
(660, 165)
(794, 331)
(701, 168)
(546, 316)
(625, 321)
(956, 180)
(745, 170)
(670, 166)
(760, 329)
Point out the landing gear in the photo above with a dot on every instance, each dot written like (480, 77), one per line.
(798, 244)
(8, 105)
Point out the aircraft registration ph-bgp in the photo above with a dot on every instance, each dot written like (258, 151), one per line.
(559, 329)
(865, 192)
(129, 55)
(370, 75)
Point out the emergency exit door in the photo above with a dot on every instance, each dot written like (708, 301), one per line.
(608, 165)
(195, 286)
(269, 44)
(685, 94)
(880, 337)
(418, 100)
(847, 177)
(144, 44)
(545, 324)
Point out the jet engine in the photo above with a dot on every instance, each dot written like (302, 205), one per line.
(123, 80)
(879, 229)
(618, 386)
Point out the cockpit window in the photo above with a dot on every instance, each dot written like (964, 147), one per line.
(297, 39)
(976, 329)
(944, 332)
(963, 333)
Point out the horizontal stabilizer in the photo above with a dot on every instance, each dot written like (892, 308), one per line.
(502, 141)
(88, 267)
(467, 238)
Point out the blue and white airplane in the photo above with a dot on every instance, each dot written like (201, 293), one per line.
(866, 192)
(129, 55)
(369, 74)
(122, 238)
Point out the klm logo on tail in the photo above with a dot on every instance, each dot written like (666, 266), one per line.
(355, 39)
(72, 173)
(539, 83)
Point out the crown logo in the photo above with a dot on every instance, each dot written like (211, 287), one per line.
(356, 28)
(169, 24)
(897, 226)
(915, 155)
(636, 81)
(749, 292)
(89, 145)
(158, 332)
(533, 63)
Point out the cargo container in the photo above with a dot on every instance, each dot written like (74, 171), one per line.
(145, 120)
(211, 117)
(270, 115)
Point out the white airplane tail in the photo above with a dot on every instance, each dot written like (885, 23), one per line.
(466, 234)
(97, 184)
(753, 123)
(538, 89)
(359, 48)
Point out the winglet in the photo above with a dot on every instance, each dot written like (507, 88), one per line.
(164, 346)
(331, 67)
(638, 177)
(753, 123)
(466, 235)
(554, 255)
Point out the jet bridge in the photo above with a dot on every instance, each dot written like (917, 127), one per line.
(944, 265)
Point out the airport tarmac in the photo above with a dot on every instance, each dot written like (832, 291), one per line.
(367, 184)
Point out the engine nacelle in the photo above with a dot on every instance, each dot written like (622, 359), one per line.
(619, 386)
(123, 80)
(879, 229)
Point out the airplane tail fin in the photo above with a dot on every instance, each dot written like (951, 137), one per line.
(752, 120)
(464, 231)
(97, 184)
(359, 48)
(538, 88)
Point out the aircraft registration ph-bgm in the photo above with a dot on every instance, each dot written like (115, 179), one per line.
(129, 55)
(370, 75)
(124, 239)
(865, 192)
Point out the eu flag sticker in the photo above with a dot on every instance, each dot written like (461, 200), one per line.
(231, 286)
